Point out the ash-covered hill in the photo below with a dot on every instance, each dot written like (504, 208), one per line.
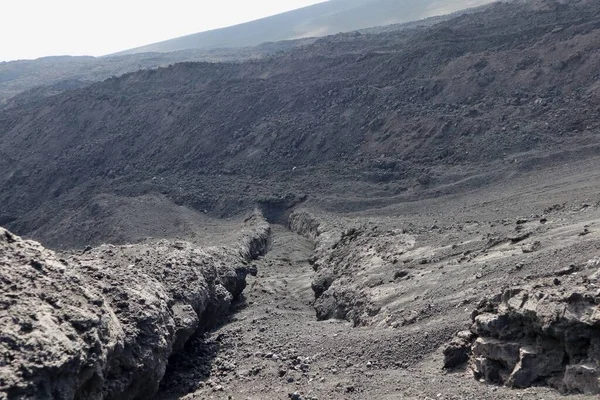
(325, 18)
(255, 40)
(366, 118)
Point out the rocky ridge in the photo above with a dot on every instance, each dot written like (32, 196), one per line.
(547, 332)
(103, 323)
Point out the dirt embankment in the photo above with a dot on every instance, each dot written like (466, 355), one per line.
(424, 274)
(103, 323)
(337, 291)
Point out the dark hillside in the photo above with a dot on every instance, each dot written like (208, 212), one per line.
(254, 40)
(372, 118)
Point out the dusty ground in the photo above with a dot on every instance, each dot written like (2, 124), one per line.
(274, 346)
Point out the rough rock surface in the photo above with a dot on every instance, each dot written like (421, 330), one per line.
(102, 324)
(343, 261)
(544, 333)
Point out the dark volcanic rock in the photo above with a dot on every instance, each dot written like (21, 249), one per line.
(457, 352)
(102, 325)
(540, 334)
(340, 259)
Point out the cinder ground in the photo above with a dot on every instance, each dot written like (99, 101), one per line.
(274, 346)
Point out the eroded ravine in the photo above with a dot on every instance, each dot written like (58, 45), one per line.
(273, 347)
(277, 305)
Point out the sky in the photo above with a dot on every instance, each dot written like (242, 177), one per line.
(37, 28)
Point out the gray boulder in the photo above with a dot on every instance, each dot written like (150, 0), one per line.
(538, 334)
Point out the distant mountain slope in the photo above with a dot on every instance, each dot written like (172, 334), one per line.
(254, 40)
(322, 19)
(20, 76)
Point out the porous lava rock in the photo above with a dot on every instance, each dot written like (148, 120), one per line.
(544, 333)
(102, 324)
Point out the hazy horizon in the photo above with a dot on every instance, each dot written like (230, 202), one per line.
(63, 27)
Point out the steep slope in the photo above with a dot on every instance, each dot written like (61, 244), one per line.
(373, 119)
(255, 40)
(321, 19)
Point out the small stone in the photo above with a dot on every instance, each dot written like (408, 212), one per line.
(400, 274)
(295, 396)
(456, 353)
(465, 335)
(556, 282)
(584, 378)
(531, 247)
(585, 232)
